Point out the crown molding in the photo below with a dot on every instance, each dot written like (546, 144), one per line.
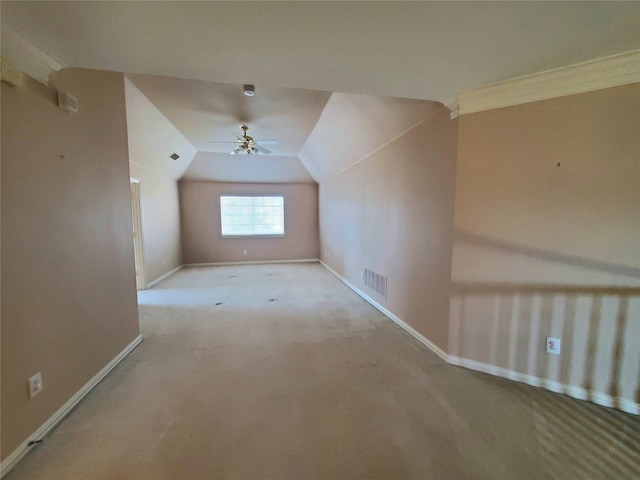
(453, 106)
(27, 56)
(596, 74)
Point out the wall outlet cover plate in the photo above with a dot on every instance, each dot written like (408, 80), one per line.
(35, 385)
(553, 345)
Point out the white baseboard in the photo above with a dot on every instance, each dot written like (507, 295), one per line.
(599, 398)
(162, 277)
(63, 411)
(571, 390)
(421, 338)
(252, 262)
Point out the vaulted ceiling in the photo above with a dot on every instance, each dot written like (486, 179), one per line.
(318, 133)
(191, 58)
(209, 114)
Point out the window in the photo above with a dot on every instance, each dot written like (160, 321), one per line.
(257, 216)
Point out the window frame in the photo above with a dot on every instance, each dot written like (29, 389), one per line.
(252, 195)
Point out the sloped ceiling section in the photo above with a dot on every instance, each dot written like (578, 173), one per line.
(207, 112)
(352, 127)
(209, 115)
(220, 167)
(153, 138)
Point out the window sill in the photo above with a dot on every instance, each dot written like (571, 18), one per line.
(251, 236)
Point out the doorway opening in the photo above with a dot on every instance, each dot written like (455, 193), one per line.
(136, 212)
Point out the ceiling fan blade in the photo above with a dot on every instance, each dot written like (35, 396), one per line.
(268, 142)
(262, 149)
(222, 142)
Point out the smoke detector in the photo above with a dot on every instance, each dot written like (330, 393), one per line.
(249, 90)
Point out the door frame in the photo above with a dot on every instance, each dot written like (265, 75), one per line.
(138, 238)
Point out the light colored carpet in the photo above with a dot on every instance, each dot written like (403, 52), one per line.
(293, 376)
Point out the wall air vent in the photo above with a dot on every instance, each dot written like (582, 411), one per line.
(67, 102)
(174, 156)
(375, 282)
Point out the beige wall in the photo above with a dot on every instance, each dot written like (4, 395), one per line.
(393, 213)
(160, 221)
(200, 219)
(547, 240)
(152, 139)
(68, 280)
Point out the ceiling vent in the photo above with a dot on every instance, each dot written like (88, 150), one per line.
(174, 156)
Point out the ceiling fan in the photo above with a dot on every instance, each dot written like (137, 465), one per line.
(245, 144)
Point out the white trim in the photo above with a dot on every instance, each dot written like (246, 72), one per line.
(27, 56)
(11, 75)
(162, 277)
(146, 168)
(138, 233)
(421, 338)
(262, 235)
(576, 392)
(605, 72)
(63, 411)
(453, 106)
(252, 262)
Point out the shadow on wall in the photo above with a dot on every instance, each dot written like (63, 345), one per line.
(501, 326)
(580, 440)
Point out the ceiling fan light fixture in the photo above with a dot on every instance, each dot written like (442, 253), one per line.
(245, 144)
(249, 90)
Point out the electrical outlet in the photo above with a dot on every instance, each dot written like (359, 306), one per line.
(35, 385)
(554, 345)
(244, 252)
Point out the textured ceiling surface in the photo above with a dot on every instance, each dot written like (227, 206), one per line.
(189, 59)
(208, 112)
(220, 167)
(351, 127)
(426, 50)
(152, 138)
